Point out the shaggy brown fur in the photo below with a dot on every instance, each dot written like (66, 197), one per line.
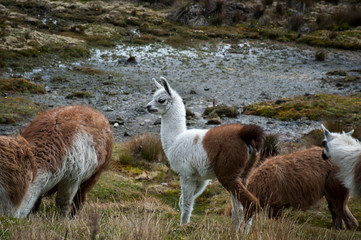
(228, 151)
(51, 136)
(299, 180)
(17, 169)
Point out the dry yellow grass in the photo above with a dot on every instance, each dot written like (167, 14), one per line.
(124, 206)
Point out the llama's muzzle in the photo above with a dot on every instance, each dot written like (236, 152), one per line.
(324, 156)
(150, 109)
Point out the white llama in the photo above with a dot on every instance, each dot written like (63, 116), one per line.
(63, 150)
(227, 152)
(345, 152)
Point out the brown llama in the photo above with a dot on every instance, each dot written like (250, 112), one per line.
(17, 172)
(63, 150)
(299, 180)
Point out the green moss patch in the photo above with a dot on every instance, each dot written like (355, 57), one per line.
(221, 111)
(20, 85)
(344, 40)
(13, 109)
(314, 107)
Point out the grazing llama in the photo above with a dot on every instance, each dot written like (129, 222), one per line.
(299, 180)
(345, 152)
(63, 150)
(227, 152)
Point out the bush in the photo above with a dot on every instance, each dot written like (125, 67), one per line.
(142, 151)
(320, 55)
(270, 146)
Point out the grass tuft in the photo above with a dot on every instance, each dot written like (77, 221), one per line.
(320, 55)
(141, 151)
(14, 109)
(270, 146)
(221, 111)
(20, 85)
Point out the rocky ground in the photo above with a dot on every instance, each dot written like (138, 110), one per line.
(79, 52)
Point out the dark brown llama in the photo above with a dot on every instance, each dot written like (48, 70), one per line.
(299, 180)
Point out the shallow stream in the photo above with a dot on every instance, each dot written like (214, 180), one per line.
(230, 74)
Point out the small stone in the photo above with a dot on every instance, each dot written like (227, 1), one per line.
(116, 125)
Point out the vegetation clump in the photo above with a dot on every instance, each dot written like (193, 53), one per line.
(320, 55)
(14, 109)
(336, 73)
(78, 94)
(314, 107)
(20, 85)
(141, 151)
(221, 111)
(270, 147)
(190, 115)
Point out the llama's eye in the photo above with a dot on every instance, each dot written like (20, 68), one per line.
(324, 143)
(161, 101)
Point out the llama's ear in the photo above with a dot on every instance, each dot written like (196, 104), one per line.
(326, 133)
(157, 84)
(350, 132)
(166, 85)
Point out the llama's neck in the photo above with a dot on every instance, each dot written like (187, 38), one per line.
(346, 154)
(173, 123)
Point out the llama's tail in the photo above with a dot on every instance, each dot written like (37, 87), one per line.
(253, 133)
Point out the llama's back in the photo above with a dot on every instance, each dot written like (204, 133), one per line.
(227, 146)
(17, 172)
(74, 140)
(297, 179)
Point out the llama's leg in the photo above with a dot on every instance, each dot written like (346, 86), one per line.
(82, 194)
(337, 197)
(36, 206)
(7, 207)
(27, 204)
(65, 196)
(349, 219)
(253, 159)
(248, 224)
(237, 213)
(191, 188)
(32, 196)
(201, 186)
(180, 203)
(234, 184)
